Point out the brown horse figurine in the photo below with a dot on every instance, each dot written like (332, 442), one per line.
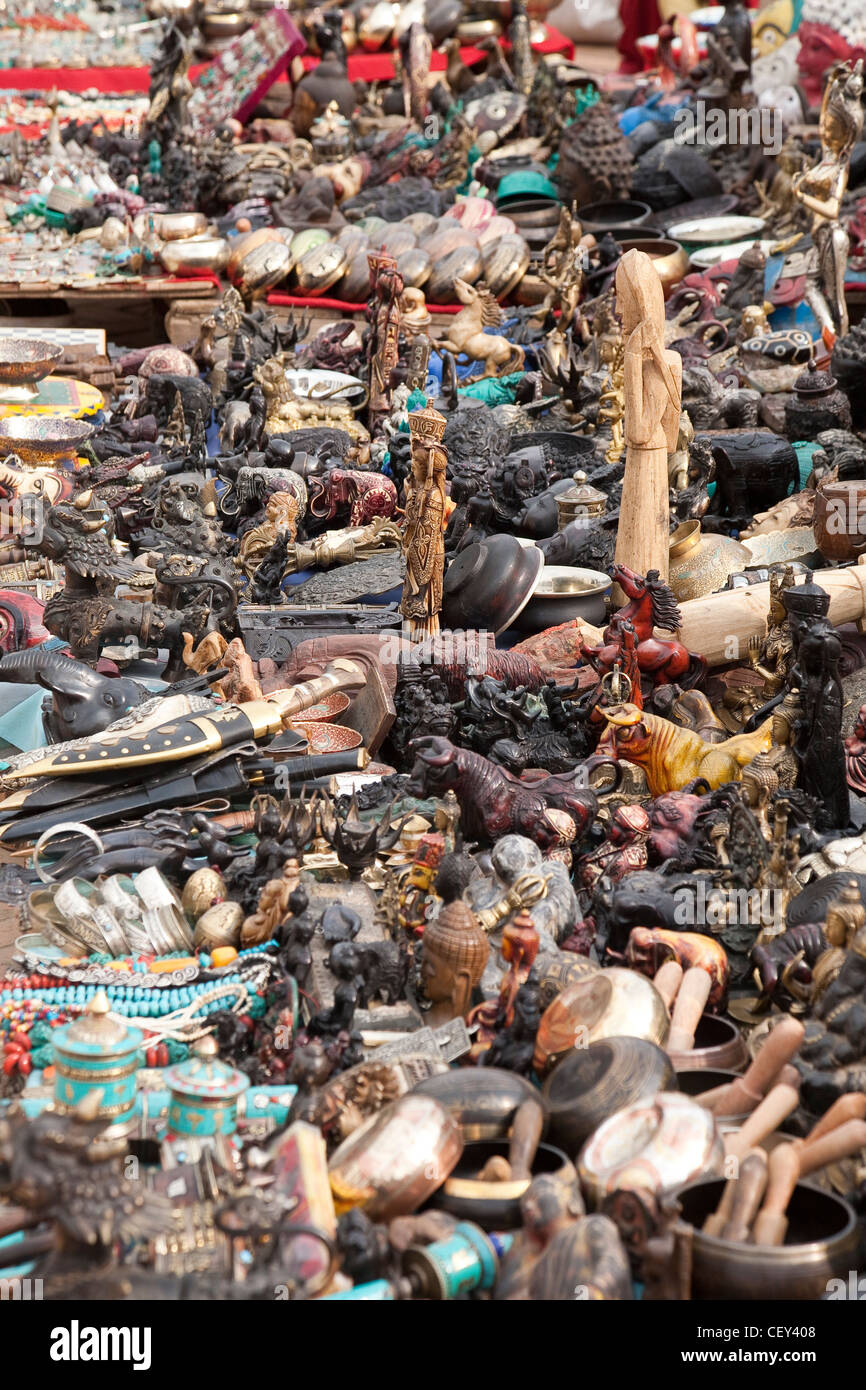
(651, 604)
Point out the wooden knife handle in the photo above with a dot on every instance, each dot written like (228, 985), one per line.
(690, 1004)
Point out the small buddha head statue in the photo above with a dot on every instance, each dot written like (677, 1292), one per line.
(759, 781)
(455, 952)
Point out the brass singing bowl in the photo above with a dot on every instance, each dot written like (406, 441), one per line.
(23, 360)
(43, 438)
(195, 254)
(821, 1244)
(670, 260)
(176, 226)
(719, 1045)
(614, 1003)
(495, 1206)
(483, 1099)
(591, 1084)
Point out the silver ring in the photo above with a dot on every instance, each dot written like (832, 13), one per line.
(68, 827)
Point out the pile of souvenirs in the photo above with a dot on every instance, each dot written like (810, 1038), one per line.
(432, 822)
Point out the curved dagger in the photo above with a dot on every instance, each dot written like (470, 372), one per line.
(200, 733)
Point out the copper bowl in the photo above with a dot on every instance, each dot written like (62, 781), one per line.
(495, 1206)
(719, 1044)
(822, 1243)
(26, 360)
(43, 438)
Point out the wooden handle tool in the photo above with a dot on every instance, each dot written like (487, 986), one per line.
(842, 1142)
(750, 1190)
(690, 1004)
(717, 1220)
(667, 980)
(774, 1108)
(779, 1048)
(525, 1138)
(848, 1107)
(771, 1223)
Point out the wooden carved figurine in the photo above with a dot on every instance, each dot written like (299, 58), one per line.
(426, 519)
(653, 387)
(455, 952)
(386, 284)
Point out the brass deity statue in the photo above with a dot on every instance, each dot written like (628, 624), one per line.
(822, 189)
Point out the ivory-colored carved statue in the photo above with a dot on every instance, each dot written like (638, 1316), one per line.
(426, 519)
(653, 386)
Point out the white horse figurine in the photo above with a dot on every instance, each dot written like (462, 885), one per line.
(468, 339)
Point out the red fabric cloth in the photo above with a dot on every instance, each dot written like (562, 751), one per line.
(638, 17)
(366, 67)
(342, 306)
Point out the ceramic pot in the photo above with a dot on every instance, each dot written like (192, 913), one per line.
(489, 583)
(615, 1003)
(483, 1099)
(718, 1045)
(565, 592)
(495, 1206)
(591, 1084)
(701, 564)
(839, 521)
(658, 1144)
(822, 1243)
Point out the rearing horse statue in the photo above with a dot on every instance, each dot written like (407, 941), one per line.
(468, 339)
(651, 604)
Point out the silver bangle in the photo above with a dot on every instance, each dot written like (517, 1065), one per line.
(67, 828)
